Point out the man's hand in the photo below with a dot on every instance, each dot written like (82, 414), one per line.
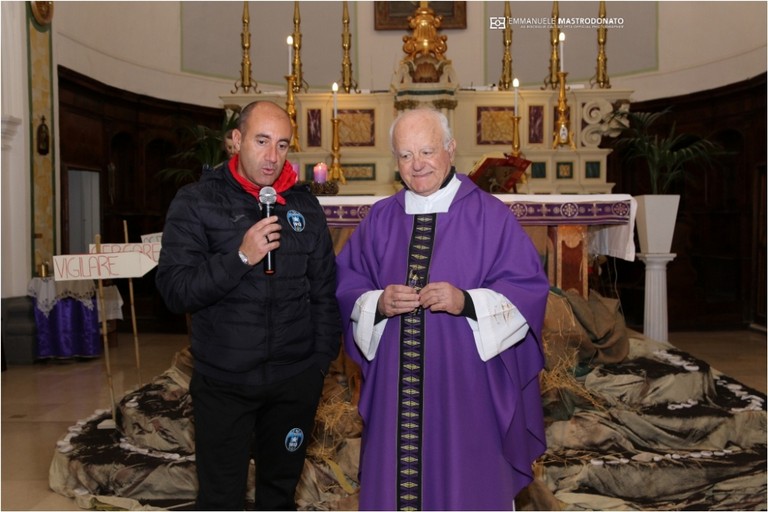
(442, 297)
(398, 299)
(262, 237)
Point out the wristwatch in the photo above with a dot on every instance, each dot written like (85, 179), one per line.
(243, 257)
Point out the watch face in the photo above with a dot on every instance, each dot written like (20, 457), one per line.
(42, 11)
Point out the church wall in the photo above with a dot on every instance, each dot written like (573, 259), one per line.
(138, 46)
(702, 46)
(14, 187)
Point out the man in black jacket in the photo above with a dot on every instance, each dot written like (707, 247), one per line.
(261, 342)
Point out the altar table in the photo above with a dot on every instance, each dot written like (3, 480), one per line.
(566, 229)
(67, 316)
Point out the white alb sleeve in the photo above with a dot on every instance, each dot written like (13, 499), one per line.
(499, 323)
(367, 333)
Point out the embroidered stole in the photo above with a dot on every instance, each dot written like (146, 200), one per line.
(410, 408)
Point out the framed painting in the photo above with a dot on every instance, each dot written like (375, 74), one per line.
(564, 170)
(539, 170)
(309, 175)
(495, 125)
(314, 127)
(394, 15)
(359, 172)
(357, 128)
(592, 169)
(536, 124)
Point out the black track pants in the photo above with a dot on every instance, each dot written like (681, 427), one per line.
(276, 420)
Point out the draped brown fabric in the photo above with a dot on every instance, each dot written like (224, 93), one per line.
(593, 327)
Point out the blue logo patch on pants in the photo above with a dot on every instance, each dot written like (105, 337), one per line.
(294, 439)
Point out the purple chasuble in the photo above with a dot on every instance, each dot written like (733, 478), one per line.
(482, 425)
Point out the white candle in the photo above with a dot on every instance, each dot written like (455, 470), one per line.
(335, 89)
(562, 55)
(516, 84)
(289, 42)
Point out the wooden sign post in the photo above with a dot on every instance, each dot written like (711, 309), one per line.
(109, 261)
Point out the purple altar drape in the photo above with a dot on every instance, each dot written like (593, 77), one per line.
(71, 329)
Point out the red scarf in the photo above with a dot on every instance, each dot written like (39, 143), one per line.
(285, 180)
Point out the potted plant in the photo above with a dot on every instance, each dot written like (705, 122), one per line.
(665, 157)
(204, 145)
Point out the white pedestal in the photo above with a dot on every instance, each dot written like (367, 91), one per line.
(655, 325)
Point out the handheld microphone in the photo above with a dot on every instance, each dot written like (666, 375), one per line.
(267, 198)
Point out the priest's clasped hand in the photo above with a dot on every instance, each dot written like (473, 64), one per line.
(441, 296)
(398, 299)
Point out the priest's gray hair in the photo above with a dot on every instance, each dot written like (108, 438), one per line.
(435, 114)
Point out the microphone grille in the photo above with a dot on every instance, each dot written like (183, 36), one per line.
(267, 195)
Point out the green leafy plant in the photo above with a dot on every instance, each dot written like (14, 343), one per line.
(665, 155)
(204, 145)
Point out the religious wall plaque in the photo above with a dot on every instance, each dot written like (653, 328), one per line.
(495, 125)
(536, 124)
(394, 15)
(314, 127)
(357, 127)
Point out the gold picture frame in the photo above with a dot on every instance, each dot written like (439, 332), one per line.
(495, 125)
(357, 127)
(394, 15)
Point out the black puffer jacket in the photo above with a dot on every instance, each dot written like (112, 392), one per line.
(248, 327)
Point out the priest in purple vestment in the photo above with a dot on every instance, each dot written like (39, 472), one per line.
(443, 297)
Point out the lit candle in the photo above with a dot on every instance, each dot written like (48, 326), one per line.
(562, 55)
(289, 42)
(335, 89)
(516, 84)
(320, 172)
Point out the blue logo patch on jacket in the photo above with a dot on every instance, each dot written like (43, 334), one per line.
(296, 220)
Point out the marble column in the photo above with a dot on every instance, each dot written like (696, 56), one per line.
(655, 324)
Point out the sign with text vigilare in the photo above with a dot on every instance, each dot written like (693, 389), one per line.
(116, 265)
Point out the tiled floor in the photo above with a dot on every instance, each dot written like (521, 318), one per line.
(739, 354)
(40, 401)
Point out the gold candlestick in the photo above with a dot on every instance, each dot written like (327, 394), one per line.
(347, 83)
(245, 70)
(335, 172)
(554, 57)
(506, 61)
(290, 107)
(299, 83)
(601, 77)
(515, 135)
(562, 135)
